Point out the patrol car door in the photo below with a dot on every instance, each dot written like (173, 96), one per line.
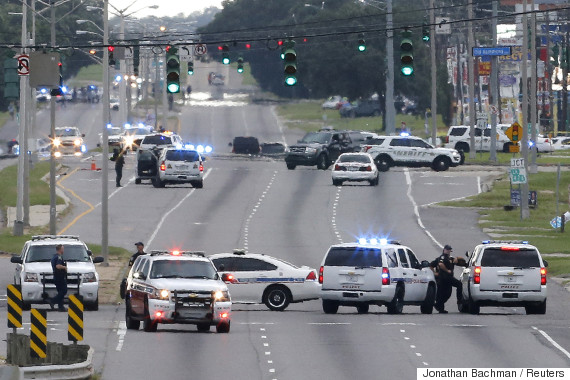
(466, 273)
(412, 291)
(419, 279)
(421, 151)
(334, 147)
(252, 276)
(401, 151)
(138, 284)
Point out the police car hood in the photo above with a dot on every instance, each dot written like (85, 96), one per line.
(444, 150)
(72, 267)
(310, 145)
(188, 284)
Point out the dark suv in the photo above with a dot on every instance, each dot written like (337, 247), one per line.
(361, 108)
(318, 148)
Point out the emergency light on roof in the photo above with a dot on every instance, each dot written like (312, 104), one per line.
(505, 242)
(109, 126)
(177, 253)
(375, 241)
(404, 134)
(127, 125)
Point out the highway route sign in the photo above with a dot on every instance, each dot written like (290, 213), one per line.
(518, 171)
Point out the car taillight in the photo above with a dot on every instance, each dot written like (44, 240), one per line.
(311, 276)
(477, 275)
(321, 270)
(510, 248)
(201, 167)
(446, 139)
(369, 168)
(162, 166)
(385, 276)
(542, 276)
(366, 148)
(337, 167)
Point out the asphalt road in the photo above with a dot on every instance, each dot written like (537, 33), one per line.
(296, 215)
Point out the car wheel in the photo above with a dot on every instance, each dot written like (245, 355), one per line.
(337, 182)
(291, 166)
(156, 182)
(462, 146)
(93, 306)
(374, 182)
(427, 306)
(138, 181)
(148, 324)
(474, 308)
(396, 306)
(26, 306)
(223, 327)
(440, 164)
(277, 298)
(203, 327)
(322, 162)
(198, 184)
(383, 163)
(362, 308)
(330, 306)
(534, 308)
(462, 157)
(132, 324)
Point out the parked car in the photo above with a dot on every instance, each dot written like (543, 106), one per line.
(361, 108)
(561, 143)
(245, 145)
(458, 138)
(332, 103)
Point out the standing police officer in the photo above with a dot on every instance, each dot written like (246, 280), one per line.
(443, 267)
(140, 251)
(119, 160)
(59, 267)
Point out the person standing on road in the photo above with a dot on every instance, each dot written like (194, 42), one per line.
(443, 268)
(119, 159)
(59, 267)
(140, 251)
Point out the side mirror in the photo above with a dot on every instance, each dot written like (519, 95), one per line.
(16, 259)
(424, 264)
(544, 261)
(467, 254)
(221, 268)
(98, 259)
(139, 275)
(83, 135)
(89, 252)
(230, 144)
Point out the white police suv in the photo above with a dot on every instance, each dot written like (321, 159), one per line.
(375, 272)
(176, 287)
(35, 274)
(504, 273)
(257, 278)
(179, 165)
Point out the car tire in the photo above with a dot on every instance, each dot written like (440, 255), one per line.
(322, 162)
(375, 182)
(138, 181)
(337, 182)
(463, 146)
(383, 162)
(148, 324)
(473, 307)
(156, 182)
(277, 297)
(223, 327)
(462, 157)
(396, 306)
(26, 306)
(198, 184)
(534, 308)
(203, 327)
(92, 306)
(291, 166)
(440, 164)
(330, 306)
(132, 324)
(362, 308)
(427, 306)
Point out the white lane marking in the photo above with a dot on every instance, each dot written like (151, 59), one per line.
(462, 325)
(265, 344)
(416, 212)
(328, 323)
(399, 323)
(255, 209)
(121, 332)
(553, 342)
(412, 346)
(478, 185)
(334, 214)
(418, 354)
(424, 363)
(171, 210)
(267, 352)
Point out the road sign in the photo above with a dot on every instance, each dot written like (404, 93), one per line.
(185, 53)
(129, 53)
(514, 132)
(518, 171)
(514, 148)
(44, 69)
(497, 50)
(23, 64)
(200, 49)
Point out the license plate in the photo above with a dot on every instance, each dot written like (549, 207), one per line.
(351, 169)
(511, 279)
(182, 167)
(351, 278)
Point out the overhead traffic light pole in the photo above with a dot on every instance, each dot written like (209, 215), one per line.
(290, 63)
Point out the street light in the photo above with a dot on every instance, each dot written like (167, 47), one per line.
(81, 32)
(91, 22)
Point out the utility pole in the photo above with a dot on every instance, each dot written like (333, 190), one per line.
(433, 72)
(494, 87)
(533, 102)
(52, 184)
(471, 69)
(165, 97)
(106, 119)
(390, 127)
(156, 88)
(525, 213)
(123, 107)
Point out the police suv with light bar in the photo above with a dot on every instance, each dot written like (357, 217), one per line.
(375, 272)
(504, 273)
(176, 287)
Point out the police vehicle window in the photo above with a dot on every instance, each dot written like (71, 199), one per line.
(146, 155)
(355, 158)
(248, 264)
(357, 137)
(145, 267)
(182, 155)
(414, 263)
(487, 132)
(67, 132)
(227, 262)
(400, 142)
(354, 257)
(138, 264)
(391, 258)
(457, 131)
(523, 258)
(183, 269)
(403, 258)
(44, 253)
(316, 137)
(415, 143)
(478, 132)
(157, 140)
(374, 141)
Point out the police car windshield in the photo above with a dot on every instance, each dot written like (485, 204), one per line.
(39, 253)
(354, 257)
(67, 132)
(114, 131)
(354, 158)
(317, 137)
(182, 269)
(157, 140)
(182, 155)
(523, 258)
(137, 131)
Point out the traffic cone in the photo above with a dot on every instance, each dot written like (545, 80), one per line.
(93, 165)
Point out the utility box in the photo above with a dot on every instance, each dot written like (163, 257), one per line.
(44, 69)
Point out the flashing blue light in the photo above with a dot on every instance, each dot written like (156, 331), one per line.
(109, 126)
(91, 87)
(141, 125)
(530, 143)
(16, 150)
(200, 149)
(83, 148)
(373, 241)
(383, 241)
(486, 241)
(208, 149)
(191, 146)
(64, 89)
(405, 134)
(127, 125)
(178, 146)
(525, 242)
(362, 241)
(118, 78)
(187, 146)
(43, 90)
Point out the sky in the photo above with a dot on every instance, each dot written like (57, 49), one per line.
(165, 7)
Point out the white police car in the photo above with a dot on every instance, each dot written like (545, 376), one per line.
(179, 165)
(176, 287)
(504, 273)
(257, 278)
(375, 272)
(359, 167)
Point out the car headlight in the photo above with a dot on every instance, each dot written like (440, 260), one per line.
(31, 277)
(161, 294)
(310, 150)
(89, 277)
(57, 154)
(221, 295)
(56, 142)
(76, 142)
(129, 140)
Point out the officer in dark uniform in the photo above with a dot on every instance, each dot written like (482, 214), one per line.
(59, 267)
(443, 268)
(119, 159)
(140, 251)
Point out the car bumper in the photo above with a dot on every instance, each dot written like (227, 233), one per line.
(350, 296)
(180, 177)
(353, 176)
(301, 159)
(506, 298)
(163, 311)
(34, 292)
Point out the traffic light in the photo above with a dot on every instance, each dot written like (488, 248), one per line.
(172, 70)
(425, 33)
(240, 65)
(516, 131)
(406, 54)
(111, 57)
(361, 42)
(554, 55)
(92, 51)
(190, 68)
(290, 61)
(226, 54)
(136, 59)
(58, 90)
(11, 79)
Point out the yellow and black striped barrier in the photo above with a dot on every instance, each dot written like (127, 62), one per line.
(38, 334)
(14, 306)
(75, 318)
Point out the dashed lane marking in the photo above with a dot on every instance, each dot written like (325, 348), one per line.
(334, 214)
(254, 211)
